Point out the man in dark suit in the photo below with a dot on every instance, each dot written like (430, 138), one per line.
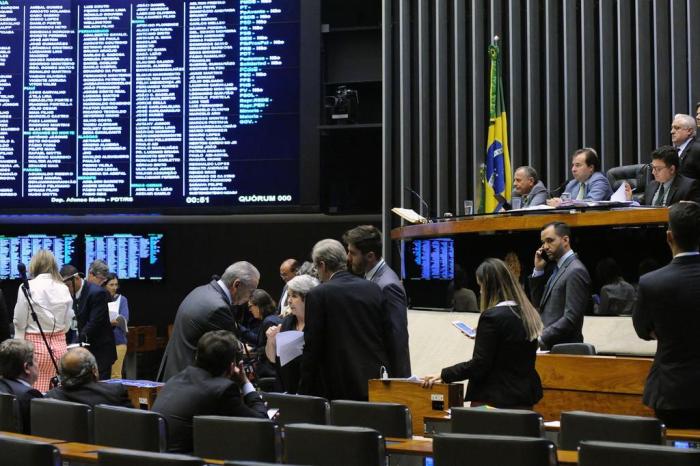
(18, 375)
(563, 291)
(79, 375)
(667, 311)
(668, 186)
(215, 385)
(207, 307)
(5, 319)
(364, 245)
(346, 329)
(92, 315)
(288, 270)
(683, 136)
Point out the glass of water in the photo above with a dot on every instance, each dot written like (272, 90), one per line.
(468, 207)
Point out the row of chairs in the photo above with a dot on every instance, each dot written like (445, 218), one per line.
(315, 445)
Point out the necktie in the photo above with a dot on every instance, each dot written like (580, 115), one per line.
(551, 279)
(581, 191)
(660, 197)
(525, 200)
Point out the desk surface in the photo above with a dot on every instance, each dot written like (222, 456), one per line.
(424, 447)
(534, 221)
(52, 441)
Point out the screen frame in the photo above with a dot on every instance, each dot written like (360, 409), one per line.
(309, 143)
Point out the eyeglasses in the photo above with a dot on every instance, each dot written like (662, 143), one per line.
(657, 168)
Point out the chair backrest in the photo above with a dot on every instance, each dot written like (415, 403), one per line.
(487, 450)
(389, 419)
(593, 453)
(246, 438)
(479, 421)
(21, 452)
(318, 445)
(581, 349)
(130, 428)
(63, 420)
(581, 425)
(118, 457)
(637, 175)
(10, 419)
(298, 408)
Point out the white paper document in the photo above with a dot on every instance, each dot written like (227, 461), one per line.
(113, 307)
(290, 345)
(619, 195)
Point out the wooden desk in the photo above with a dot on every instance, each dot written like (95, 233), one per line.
(534, 221)
(142, 397)
(424, 447)
(603, 384)
(420, 401)
(52, 441)
(683, 434)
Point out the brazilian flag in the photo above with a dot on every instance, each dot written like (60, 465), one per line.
(496, 177)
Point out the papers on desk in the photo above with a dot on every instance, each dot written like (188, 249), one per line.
(619, 195)
(290, 345)
(409, 215)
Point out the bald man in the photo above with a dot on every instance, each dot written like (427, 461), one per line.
(79, 382)
(288, 270)
(684, 139)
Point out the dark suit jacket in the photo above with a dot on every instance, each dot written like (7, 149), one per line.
(5, 319)
(195, 392)
(94, 393)
(690, 160)
(502, 371)
(682, 189)
(667, 304)
(206, 308)
(563, 305)
(396, 307)
(345, 338)
(536, 196)
(24, 396)
(94, 327)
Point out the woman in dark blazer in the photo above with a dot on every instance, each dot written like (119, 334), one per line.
(502, 371)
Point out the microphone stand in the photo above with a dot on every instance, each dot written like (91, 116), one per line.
(54, 380)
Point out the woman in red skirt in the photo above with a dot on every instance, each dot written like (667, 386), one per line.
(53, 305)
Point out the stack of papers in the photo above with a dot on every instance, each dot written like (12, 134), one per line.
(290, 345)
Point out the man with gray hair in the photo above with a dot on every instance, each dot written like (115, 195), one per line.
(529, 187)
(97, 272)
(79, 382)
(206, 308)
(683, 137)
(346, 334)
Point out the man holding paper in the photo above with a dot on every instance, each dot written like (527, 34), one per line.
(669, 186)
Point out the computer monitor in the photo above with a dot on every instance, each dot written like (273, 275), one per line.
(128, 255)
(16, 249)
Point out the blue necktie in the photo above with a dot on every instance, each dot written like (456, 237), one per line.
(551, 279)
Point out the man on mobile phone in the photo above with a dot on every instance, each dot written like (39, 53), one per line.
(562, 291)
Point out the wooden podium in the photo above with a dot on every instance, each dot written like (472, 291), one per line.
(421, 401)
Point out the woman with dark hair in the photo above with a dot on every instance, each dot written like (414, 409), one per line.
(617, 297)
(502, 371)
(118, 306)
(263, 310)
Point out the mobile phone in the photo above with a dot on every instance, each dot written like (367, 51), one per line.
(541, 254)
(464, 328)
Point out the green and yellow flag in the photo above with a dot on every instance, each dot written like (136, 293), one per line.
(496, 177)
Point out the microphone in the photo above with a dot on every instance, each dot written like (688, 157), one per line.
(427, 207)
(560, 188)
(22, 269)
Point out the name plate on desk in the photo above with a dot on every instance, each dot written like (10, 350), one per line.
(420, 401)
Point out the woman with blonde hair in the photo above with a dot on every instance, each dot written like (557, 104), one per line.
(53, 305)
(502, 371)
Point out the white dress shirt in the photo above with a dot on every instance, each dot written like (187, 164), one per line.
(52, 303)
